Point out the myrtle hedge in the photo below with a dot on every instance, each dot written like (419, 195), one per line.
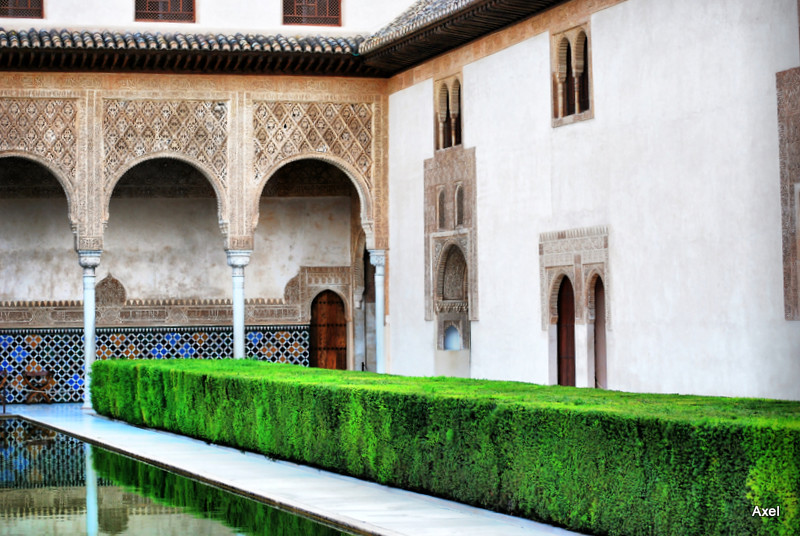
(594, 461)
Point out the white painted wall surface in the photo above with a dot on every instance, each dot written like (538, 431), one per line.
(681, 161)
(246, 16)
(412, 344)
(295, 232)
(166, 248)
(37, 255)
(173, 248)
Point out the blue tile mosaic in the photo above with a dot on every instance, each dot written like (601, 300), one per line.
(60, 351)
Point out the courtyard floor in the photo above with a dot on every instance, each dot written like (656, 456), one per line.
(357, 505)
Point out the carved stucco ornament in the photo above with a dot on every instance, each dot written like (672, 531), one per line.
(110, 292)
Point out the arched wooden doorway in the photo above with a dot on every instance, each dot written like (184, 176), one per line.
(599, 334)
(566, 333)
(328, 344)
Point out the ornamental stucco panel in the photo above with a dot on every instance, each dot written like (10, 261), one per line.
(789, 132)
(450, 220)
(581, 255)
(195, 130)
(46, 130)
(343, 132)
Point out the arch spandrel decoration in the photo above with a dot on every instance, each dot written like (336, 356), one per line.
(581, 255)
(45, 130)
(194, 129)
(341, 133)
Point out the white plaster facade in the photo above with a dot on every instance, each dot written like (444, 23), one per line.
(680, 161)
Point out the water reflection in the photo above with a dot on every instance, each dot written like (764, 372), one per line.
(54, 484)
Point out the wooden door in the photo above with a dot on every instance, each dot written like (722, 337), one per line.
(599, 334)
(566, 334)
(328, 348)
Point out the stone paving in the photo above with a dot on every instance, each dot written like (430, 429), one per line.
(355, 505)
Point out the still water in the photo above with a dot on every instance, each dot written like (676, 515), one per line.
(54, 484)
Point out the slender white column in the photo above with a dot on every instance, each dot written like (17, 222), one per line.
(377, 257)
(237, 260)
(88, 261)
(92, 509)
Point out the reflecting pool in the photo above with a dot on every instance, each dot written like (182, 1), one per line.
(54, 484)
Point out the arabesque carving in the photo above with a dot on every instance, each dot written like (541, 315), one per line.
(44, 127)
(197, 129)
(285, 129)
(789, 142)
(581, 255)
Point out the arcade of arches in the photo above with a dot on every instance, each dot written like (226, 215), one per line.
(167, 211)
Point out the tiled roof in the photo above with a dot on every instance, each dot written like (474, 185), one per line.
(422, 13)
(74, 39)
(84, 50)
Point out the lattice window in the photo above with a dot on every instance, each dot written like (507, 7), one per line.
(313, 12)
(165, 10)
(29, 9)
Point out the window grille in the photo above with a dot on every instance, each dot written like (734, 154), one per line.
(316, 12)
(165, 10)
(29, 9)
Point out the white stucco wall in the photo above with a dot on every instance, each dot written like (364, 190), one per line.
(37, 255)
(680, 161)
(246, 16)
(173, 248)
(295, 232)
(412, 341)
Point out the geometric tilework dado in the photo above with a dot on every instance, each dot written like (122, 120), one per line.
(44, 127)
(60, 351)
(285, 129)
(194, 128)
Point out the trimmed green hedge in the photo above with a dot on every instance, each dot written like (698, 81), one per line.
(590, 460)
(234, 511)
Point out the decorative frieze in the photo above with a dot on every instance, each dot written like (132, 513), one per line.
(579, 254)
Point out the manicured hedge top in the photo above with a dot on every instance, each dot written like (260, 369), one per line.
(685, 408)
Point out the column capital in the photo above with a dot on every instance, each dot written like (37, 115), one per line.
(238, 258)
(89, 258)
(377, 257)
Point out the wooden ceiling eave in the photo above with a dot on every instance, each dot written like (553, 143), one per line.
(450, 32)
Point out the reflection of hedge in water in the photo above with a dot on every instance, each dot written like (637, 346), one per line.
(235, 511)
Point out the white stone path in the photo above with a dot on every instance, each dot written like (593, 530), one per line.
(356, 505)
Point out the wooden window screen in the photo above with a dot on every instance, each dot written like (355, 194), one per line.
(316, 12)
(165, 10)
(22, 8)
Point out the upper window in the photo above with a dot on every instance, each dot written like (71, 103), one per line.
(313, 12)
(165, 10)
(447, 120)
(571, 76)
(29, 9)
